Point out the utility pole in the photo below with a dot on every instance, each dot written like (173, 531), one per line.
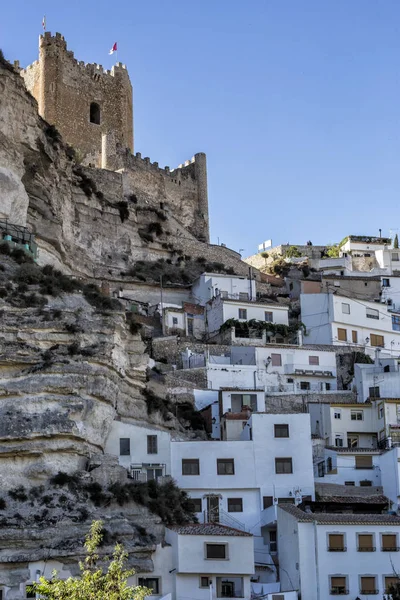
(161, 307)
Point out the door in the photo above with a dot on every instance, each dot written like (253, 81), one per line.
(213, 509)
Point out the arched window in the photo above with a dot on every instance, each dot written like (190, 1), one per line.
(95, 113)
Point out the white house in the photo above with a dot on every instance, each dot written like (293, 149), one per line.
(277, 369)
(144, 451)
(378, 380)
(333, 319)
(236, 287)
(210, 561)
(324, 555)
(220, 309)
(186, 320)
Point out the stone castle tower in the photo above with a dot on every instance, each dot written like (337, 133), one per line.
(83, 101)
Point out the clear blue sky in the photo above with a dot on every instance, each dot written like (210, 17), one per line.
(295, 102)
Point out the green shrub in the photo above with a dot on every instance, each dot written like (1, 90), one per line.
(20, 256)
(97, 299)
(62, 478)
(3, 504)
(29, 274)
(96, 494)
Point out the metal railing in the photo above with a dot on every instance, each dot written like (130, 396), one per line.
(218, 515)
(339, 591)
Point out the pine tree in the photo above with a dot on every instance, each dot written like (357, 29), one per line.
(93, 583)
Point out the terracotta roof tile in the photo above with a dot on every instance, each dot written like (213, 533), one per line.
(208, 529)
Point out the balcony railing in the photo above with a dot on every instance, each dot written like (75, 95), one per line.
(366, 549)
(342, 549)
(368, 592)
(390, 549)
(339, 591)
(308, 370)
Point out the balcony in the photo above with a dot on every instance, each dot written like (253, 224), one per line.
(366, 549)
(369, 592)
(342, 549)
(390, 549)
(339, 591)
(308, 370)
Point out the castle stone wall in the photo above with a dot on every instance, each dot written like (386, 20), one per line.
(65, 88)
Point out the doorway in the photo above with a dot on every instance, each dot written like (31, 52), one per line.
(213, 509)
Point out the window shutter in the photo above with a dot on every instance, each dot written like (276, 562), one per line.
(367, 585)
(364, 462)
(389, 541)
(338, 582)
(336, 541)
(365, 541)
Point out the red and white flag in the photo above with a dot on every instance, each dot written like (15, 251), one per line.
(113, 49)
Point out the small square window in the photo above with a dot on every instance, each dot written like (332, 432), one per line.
(197, 504)
(225, 466)
(374, 392)
(243, 313)
(336, 542)
(267, 501)
(354, 337)
(337, 414)
(216, 551)
(283, 466)
(268, 316)
(174, 320)
(190, 466)
(124, 446)
(281, 431)
(305, 385)
(276, 360)
(385, 282)
(351, 483)
(345, 308)
(342, 334)
(235, 505)
(356, 415)
(313, 360)
(368, 585)
(153, 583)
(204, 581)
(338, 585)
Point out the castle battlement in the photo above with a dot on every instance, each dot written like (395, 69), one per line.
(125, 159)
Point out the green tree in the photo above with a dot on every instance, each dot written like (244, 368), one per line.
(332, 251)
(292, 252)
(393, 592)
(93, 583)
(396, 241)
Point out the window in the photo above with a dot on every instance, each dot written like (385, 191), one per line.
(389, 581)
(204, 581)
(337, 414)
(190, 326)
(216, 551)
(276, 360)
(95, 113)
(243, 313)
(368, 585)
(235, 505)
(321, 469)
(364, 462)
(345, 308)
(152, 446)
(395, 322)
(366, 483)
(225, 466)
(28, 593)
(268, 315)
(327, 386)
(154, 473)
(304, 385)
(153, 583)
(313, 360)
(329, 465)
(374, 392)
(278, 597)
(395, 256)
(372, 313)
(354, 337)
(352, 441)
(356, 415)
(380, 411)
(338, 586)
(342, 334)
(385, 282)
(197, 504)
(336, 542)
(281, 431)
(190, 466)
(366, 542)
(230, 587)
(389, 542)
(339, 441)
(238, 401)
(349, 483)
(267, 501)
(174, 320)
(283, 466)
(124, 446)
(243, 296)
(377, 340)
(285, 500)
(273, 545)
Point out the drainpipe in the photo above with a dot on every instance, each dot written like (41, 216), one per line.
(316, 559)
